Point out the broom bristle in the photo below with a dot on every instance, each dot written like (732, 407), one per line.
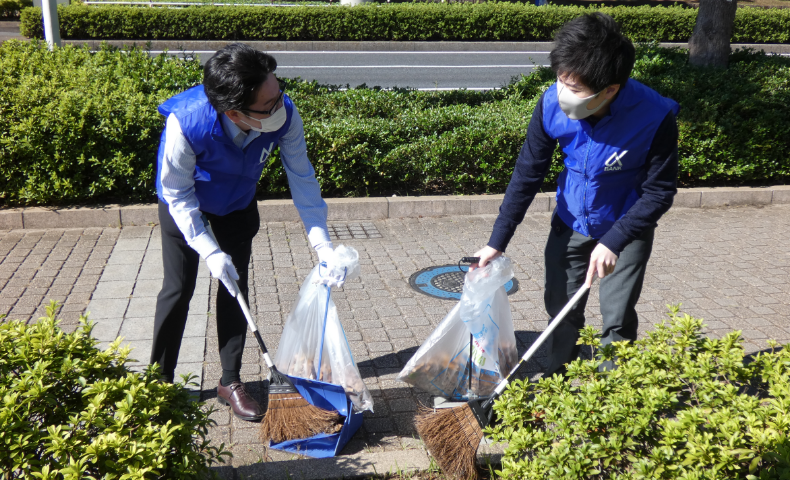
(452, 436)
(291, 417)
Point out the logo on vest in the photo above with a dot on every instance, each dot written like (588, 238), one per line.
(614, 163)
(265, 153)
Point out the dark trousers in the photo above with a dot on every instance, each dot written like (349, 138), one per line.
(567, 258)
(234, 233)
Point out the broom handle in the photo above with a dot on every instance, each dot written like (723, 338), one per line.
(323, 333)
(237, 293)
(542, 338)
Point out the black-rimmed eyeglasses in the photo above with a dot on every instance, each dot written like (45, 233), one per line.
(274, 108)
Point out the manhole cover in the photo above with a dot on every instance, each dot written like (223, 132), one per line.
(447, 282)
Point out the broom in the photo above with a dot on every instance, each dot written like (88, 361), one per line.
(289, 416)
(452, 435)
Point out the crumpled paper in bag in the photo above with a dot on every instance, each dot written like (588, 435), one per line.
(441, 364)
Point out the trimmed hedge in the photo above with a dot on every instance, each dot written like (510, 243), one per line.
(10, 9)
(460, 21)
(76, 126)
(82, 127)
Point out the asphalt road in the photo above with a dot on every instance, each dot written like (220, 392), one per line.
(422, 70)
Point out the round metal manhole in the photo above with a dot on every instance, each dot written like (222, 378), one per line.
(447, 282)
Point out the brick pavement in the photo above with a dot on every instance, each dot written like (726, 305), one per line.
(730, 266)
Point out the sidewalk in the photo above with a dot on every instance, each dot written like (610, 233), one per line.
(730, 266)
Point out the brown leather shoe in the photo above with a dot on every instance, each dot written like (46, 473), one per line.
(243, 405)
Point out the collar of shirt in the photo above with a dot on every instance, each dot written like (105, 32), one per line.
(240, 138)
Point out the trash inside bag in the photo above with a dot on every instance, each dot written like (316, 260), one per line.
(480, 325)
(312, 324)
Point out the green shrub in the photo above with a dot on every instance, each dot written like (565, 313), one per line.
(11, 9)
(82, 127)
(418, 21)
(735, 125)
(734, 129)
(59, 144)
(70, 410)
(680, 406)
(373, 142)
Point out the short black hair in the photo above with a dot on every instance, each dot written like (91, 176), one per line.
(233, 75)
(592, 49)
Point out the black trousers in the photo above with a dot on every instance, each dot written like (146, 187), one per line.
(567, 258)
(234, 233)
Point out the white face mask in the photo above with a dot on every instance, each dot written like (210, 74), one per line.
(270, 124)
(574, 107)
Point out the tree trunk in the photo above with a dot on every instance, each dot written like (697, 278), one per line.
(709, 45)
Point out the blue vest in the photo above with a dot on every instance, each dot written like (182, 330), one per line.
(226, 176)
(604, 165)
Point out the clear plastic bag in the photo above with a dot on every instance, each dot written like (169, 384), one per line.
(482, 320)
(314, 322)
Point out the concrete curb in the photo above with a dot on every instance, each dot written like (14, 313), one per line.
(372, 208)
(382, 46)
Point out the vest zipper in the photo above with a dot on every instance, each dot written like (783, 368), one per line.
(586, 182)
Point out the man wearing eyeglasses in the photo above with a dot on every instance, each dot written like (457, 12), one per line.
(217, 139)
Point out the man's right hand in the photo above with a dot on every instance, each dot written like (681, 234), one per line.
(221, 266)
(486, 254)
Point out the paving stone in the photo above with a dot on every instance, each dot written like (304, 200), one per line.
(107, 308)
(108, 290)
(380, 347)
(125, 257)
(145, 288)
(196, 326)
(141, 351)
(193, 349)
(138, 328)
(107, 329)
(141, 307)
(121, 272)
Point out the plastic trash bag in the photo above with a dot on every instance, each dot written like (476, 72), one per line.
(441, 365)
(314, 323)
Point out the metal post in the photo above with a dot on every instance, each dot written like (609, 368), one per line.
(49, 8)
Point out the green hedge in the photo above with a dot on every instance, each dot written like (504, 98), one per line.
(81, 127)
(460, 21)
(734, 129)
(11, 9)
(76, 126)
(72, 411)
(680, 406)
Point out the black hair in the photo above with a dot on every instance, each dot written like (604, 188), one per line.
(231, 77)
(592, 49)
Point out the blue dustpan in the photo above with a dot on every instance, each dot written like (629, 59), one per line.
(329, 397)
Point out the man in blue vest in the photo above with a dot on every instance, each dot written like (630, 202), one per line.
(217, 139)
(619, 147)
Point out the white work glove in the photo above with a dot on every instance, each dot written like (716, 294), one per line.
(221, 266)
(330, 274)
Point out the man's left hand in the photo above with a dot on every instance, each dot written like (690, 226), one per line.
(331, 275)
(602, 261)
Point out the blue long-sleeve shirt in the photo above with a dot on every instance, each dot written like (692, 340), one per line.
(534, 160)
(178, 182)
